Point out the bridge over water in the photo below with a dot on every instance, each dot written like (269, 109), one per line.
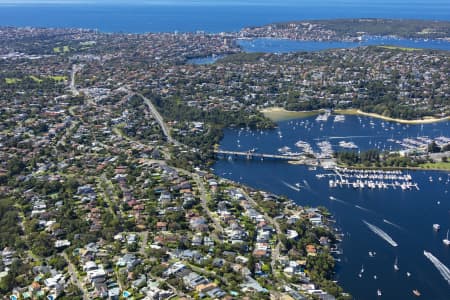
(251, 155)
(297, 159)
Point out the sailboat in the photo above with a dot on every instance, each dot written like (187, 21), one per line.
(396, 268)
(446, 241)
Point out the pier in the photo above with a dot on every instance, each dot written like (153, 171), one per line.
(372, 179)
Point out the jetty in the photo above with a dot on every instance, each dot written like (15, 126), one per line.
(360, 179)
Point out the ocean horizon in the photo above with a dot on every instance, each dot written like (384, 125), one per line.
(191, 16)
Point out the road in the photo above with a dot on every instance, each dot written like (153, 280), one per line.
(203, 198)
(73, 275)
(274, 223)
(73, 88)
(160, 120)
(107, 187)
(144, 241)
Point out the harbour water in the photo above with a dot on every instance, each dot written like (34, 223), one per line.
(271, 45)
(204, 60)
(285, 45)
(406, 216)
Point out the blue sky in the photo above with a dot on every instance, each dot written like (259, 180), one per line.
(150, 2)
(161, 2)
(220, 2)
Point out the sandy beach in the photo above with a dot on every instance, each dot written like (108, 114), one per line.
(425, 120)
(280, 114)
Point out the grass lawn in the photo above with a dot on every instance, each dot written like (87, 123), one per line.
(58, 78)
(400, 48)
(12, 80)
(64, 49)
(436, 166)
(37, 79)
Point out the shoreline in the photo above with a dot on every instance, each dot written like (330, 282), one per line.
(281, 114)
(425, 120)
(395, 168)
(420, 168)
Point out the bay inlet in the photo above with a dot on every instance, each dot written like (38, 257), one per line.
(404, 217)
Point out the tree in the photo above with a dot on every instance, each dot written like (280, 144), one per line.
(433, 147)
(15, 166)
(58, 262)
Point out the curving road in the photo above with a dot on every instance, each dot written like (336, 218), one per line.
(160, 120)
(73, 88)
(73, 276)
(274, 223)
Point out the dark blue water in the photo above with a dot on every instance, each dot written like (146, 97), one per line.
(365, 132)
(204, 60)
(285, 46)
(211, 16)
(413, 212)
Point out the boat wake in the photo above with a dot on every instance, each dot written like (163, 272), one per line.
(364, 209)
(307, 186)
(338, 200)
(378, 231)
(393, 224)
(445, 272)
(291, 186)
